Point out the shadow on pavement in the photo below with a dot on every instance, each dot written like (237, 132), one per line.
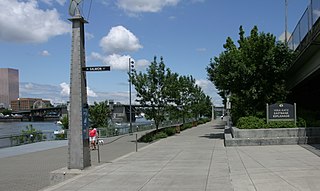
(314, 148)
(213, 136)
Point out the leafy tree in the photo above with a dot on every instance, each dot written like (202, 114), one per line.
(253, 72)
(65, 122)
(152, 90)
(99, 114)
(201, 104)
(6, 112)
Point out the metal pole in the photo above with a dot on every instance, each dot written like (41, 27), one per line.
(98, 152)
(136, 142)
(286, 23)
(130, 111)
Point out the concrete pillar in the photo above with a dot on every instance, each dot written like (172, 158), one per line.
(79, 150)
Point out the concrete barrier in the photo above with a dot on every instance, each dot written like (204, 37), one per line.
(276, 136)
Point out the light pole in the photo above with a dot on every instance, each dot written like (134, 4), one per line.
(286, 23)
(131, 69)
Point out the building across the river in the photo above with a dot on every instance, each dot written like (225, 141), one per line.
(26, 104)
(9, 86)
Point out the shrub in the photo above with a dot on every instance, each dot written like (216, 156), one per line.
(160, 135)
(186, 126)
(281, 124)
(250, 122)
(301, 122)
(147, 138)
(170, 131)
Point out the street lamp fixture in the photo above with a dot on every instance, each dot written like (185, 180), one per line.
(131, 70)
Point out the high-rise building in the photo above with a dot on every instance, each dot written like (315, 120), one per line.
(9, 86)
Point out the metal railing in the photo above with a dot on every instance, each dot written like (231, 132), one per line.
(115, 130)
(27, 138)
(305, 25)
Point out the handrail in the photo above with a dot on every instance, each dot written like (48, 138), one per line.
(304, 26)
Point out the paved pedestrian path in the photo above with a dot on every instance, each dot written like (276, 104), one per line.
(27, 167)
(197, 160)
(30, 148)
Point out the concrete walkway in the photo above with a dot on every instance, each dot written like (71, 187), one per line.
(197, 160)
(27, 167)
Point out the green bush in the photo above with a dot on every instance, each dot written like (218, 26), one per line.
(170, 131)
(203, 120)
(301, 122)
(160, 135)
(147, 138)
(186, 126)
(250, 122)
(281, 124)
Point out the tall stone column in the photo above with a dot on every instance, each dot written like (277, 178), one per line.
(79, 150)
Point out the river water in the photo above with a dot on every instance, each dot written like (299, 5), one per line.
(14, 128)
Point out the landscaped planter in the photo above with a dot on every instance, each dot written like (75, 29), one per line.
(275, 136)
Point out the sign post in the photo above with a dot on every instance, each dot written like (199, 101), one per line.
(281, 112)
(78, 139)
(96, 68)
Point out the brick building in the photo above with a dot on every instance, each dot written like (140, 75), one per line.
(26, 104)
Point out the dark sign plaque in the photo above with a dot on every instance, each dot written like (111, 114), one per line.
(96, 68)
(281, 112)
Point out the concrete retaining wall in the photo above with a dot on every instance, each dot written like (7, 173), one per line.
(279, 136)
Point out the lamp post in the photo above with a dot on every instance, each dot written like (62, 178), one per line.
(131, 69)
(286, 23)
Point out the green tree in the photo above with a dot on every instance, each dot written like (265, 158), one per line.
(154, 90)
(65, 122)
(201, 103)
(99, 114)
(253, 73)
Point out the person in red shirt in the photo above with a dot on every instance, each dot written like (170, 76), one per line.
(93, 137)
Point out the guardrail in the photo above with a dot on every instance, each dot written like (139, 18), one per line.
(113, 130)
(26, 138)
(305, 25)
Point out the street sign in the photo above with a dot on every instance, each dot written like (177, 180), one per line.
(96, 68)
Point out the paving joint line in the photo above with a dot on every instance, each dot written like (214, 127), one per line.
(159, 171)
(213, 149)
(273, 172)
(246, 170)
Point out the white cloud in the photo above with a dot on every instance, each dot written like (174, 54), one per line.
(60, 94)
(118, 62)
(209, 89)
(89, 36)
(120, 40)
(91, 93)
(28, 86)
(65, 90)
(50, 2)
(25, 22)
(140, 6)
(282, 36)
(48, 92)
(45, 53)
(316, 13)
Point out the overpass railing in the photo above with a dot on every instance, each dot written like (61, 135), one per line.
(306, 24)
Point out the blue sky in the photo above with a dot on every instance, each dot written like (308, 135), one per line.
(35, 38)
